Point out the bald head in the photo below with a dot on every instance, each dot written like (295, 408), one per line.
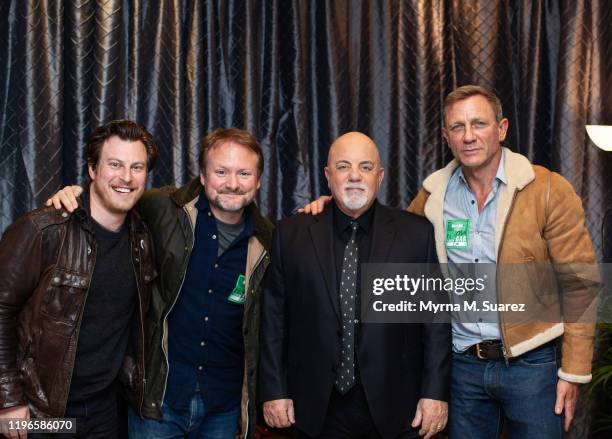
(355, 141)
(354, 173)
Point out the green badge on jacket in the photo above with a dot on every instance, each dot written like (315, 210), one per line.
(458, 234)
(237, 294)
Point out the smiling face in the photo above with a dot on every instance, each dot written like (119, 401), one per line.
(119, 178)
(354, 173)
(231, 178)
(473, 134)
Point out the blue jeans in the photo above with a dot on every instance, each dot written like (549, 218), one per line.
(191, 423)
(484, 394)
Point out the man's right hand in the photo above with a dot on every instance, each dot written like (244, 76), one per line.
(66, 198)
(279, 413)
(17, 412)
(317, 206)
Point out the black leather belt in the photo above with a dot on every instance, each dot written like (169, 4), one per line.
(488, 350)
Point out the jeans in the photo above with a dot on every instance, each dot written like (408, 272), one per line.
(191, 423)
(484, 394)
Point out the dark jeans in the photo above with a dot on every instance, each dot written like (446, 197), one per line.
(193, 422)
(485, 393)
(348, 417)
(96, 418)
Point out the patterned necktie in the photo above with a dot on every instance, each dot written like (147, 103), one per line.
(345, 378)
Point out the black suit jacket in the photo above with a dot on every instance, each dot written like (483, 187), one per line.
(301, 326)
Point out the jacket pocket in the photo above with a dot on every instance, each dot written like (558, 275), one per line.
(65, 295)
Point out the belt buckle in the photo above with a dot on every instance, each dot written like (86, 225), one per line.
(479, 352)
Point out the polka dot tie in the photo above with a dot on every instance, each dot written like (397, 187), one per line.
(345, 378)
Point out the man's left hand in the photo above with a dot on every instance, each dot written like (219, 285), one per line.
(431, 415)
(567, 396)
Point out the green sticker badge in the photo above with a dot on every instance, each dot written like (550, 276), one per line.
(237, 294)
(458, 234)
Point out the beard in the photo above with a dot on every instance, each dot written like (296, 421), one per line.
(234, 204)
(109, 201)
(354, 201)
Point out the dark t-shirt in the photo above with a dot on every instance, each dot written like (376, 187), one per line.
(107, 317)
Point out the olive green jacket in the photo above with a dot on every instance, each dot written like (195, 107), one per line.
(171, 215)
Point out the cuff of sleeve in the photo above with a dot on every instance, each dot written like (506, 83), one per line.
(570, 377)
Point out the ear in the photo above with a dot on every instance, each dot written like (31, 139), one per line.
(202, 178)
(445, 135)
(381, 176)
(91, 171)
(503, 129)
(326, 170)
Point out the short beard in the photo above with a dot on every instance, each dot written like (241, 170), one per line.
(230, 207)
(354, 202)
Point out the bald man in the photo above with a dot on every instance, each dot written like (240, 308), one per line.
(321, 368)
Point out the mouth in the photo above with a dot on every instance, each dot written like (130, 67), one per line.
(231, 194)
(123, 190)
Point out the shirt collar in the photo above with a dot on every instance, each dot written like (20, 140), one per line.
(342, 221)
(500, 176)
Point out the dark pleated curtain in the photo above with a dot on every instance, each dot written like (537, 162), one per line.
(298, 74)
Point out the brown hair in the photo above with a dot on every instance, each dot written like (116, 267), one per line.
(125, 130)
(467, 91)
(236, 135)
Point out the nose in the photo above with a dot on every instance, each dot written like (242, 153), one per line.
(468, 136)
(232, 182)
(126, 174)
(354, 174)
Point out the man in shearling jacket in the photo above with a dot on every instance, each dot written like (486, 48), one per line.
(515, 212)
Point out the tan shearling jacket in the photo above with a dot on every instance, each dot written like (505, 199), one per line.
(539, 220)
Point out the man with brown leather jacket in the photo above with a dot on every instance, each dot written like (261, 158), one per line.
(73, 291)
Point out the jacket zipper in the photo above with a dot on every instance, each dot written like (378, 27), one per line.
(78, 328)
(499, 314)
(144, 381)
(164, 323)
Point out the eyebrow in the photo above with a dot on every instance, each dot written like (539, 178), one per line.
(111, 159)
(226, 168)
(365, 162)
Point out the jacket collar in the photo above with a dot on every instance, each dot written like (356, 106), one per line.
(519, 173)
(188, 192)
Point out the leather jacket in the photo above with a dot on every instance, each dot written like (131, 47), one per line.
(47, 258)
